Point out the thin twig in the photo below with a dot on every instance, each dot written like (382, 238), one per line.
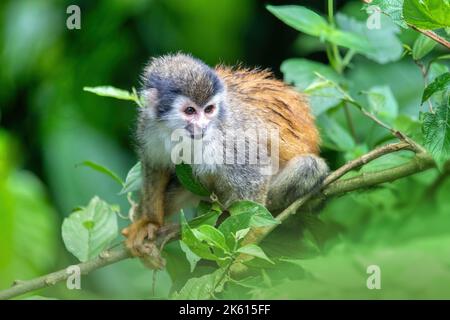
(396, 133)
(349, 120)
(432, 35)
(424, 70)
(104, 259)
(418, 164)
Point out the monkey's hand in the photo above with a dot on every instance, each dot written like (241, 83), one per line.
(141, 235)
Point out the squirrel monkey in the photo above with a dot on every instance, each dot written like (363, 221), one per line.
(182, 92)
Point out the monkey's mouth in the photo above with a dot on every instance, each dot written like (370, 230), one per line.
(196, 134)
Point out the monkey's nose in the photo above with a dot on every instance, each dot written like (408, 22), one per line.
(199, 131)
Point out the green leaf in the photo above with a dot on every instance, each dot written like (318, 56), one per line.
(359, 150)
(191, 257)
(392, 8)
(442, 82)
(303, 74)
(382, 103)
(240, 234)
(211, 236)
(436, 70)
(436, 130)
(180, 262)
(247, 206)
(133, 180)
(334, 135)
(209, 218)
(255, 251)
(422, 46)
(309, 22)
(102, 169)
(205, 207)
(197, 246)
(411, 127)
(187, 179)
(349, 40)
(245, 214)
(89, 231)
(427, 14)
(204, 287)
(300, 18)
(108, 91)
(384, 45)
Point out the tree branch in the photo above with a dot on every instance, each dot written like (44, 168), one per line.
(418, 164)
(331, 186)
(432, 35)
(105, 258)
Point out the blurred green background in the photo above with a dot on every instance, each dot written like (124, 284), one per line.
(48, 125)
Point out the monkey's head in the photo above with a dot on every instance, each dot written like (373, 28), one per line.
(184, 93)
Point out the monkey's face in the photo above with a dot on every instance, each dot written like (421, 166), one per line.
(197, 120)
(184, 94)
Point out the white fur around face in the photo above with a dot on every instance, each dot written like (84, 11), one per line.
(166, 147)
(157, 145)
(161, 138)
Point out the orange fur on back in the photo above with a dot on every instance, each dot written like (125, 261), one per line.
(278, 105)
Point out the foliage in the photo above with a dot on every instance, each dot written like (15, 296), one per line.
(393, 74)
(88, 231)
(427, 14)
(436, 129)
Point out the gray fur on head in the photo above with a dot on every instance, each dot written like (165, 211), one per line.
(180, 74)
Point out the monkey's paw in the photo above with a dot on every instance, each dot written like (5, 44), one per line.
(141, 235)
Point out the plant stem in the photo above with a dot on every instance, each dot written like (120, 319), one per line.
(424, 70)
(432, 35)
(331, 58)
(349, 119)
(333, 54)
(331, 12)
(348, 57)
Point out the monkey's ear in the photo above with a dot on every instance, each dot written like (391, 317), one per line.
(149, 97)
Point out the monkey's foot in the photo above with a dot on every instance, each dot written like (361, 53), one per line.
(140, 237)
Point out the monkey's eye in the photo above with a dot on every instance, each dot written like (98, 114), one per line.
(209, 109)
(189, 110)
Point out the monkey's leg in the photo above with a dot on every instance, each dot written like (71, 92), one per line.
(300, 175)
(150, 213)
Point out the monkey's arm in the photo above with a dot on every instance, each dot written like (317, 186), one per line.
(153, 190)
(150, 212)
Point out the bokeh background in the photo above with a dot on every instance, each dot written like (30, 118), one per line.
(48, 124)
